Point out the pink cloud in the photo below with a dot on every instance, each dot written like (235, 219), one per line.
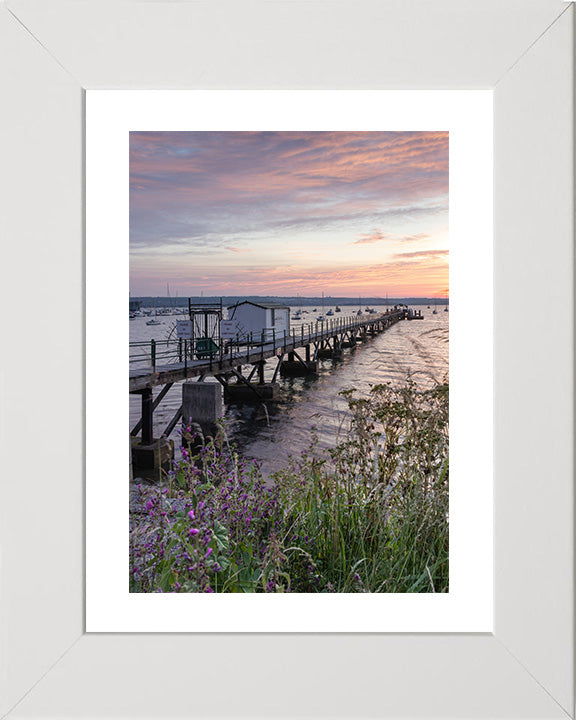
(440, 254)
(378, 236)
(369, 238)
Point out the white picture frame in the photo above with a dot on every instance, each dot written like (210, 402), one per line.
(55, 50)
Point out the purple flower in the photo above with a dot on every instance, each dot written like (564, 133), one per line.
(191, 515)
(208, 553)
(208, 589)
(149, 505)
(194, 531)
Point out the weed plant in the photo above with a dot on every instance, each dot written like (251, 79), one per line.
(370, 515)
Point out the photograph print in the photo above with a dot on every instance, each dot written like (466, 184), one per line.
(288, 374)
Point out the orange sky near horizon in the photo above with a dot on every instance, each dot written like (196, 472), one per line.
(289, 213)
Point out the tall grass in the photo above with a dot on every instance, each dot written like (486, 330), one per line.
(369, 516)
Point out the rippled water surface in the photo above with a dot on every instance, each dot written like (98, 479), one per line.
(312, 406)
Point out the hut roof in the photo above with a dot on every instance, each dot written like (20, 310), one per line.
(263, 304)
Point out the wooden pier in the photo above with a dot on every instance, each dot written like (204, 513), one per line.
(163, 363)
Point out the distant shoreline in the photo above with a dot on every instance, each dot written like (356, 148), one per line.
(149, 301)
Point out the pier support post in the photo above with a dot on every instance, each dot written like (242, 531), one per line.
(147, 416)
(261, 372)
(336, 347)
(146, 452)
(202, 404)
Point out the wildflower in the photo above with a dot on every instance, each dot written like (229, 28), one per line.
(193, 531)
(208, 589)
(149, 505)
(208, 553)
(191, 515)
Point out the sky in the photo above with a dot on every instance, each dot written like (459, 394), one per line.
(289, 213)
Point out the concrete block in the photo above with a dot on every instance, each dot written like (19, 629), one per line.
(159, 453)
(294, 368)
(241, 392)
(202, 403)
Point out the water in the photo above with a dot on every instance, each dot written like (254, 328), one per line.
(311, 407)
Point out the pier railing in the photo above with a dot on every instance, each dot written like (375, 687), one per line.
(154, 353)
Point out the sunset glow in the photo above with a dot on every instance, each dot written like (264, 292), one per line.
(286, 213)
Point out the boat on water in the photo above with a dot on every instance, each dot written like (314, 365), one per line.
(154, 320)
(338, 309)
(330, 313)
(320, 318)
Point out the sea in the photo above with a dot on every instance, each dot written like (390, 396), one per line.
(312, 409)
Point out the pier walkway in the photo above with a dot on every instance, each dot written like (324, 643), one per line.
(165, 362)
(159, 362)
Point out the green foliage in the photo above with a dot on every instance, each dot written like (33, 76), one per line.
(369, 516)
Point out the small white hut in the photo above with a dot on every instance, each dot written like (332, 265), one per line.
(262, 319)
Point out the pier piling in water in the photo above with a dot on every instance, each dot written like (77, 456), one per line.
(252, 392)
(298, 368)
